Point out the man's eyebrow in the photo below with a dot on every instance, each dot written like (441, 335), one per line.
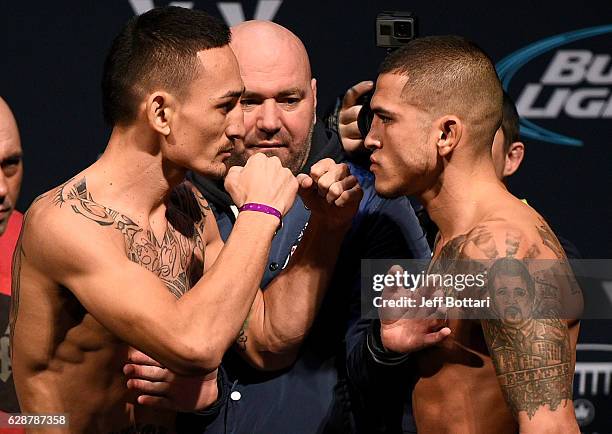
(17, 154)
(232, 94)
(293, 91)
(383, 112)
(14, 156)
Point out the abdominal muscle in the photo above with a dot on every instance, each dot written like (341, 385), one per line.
(457, 389)
(84, 380)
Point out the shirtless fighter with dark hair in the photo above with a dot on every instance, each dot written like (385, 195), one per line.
(437, 105)
(116, 255)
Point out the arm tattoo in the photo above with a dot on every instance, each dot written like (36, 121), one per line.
(529, 344)
(532, 356)
(482, 237)
(242, 336)
(532, 361)
(513, 239)
(550, 240)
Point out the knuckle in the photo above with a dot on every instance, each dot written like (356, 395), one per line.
(336, 189)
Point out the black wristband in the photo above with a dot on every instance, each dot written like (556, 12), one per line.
(377, 350)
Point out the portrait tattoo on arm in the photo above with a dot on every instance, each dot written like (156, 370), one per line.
(528, 341)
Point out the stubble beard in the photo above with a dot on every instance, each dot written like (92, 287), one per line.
(294, 161)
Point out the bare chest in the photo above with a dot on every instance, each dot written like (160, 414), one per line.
(177, 259)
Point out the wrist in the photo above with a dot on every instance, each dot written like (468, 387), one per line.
(262, 221)
(377, 350)
(263, 209)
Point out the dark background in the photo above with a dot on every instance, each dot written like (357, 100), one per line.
(53, 51)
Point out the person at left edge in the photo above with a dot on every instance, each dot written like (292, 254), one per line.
(304, 390)
(11, 173)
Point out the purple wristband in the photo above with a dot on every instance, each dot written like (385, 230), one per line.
(260, 207)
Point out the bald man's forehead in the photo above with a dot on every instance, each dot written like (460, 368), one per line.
(9, 134)
(262, 44)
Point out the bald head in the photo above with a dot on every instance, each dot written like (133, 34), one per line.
(279, 101)
(264, 44)
(11, 168)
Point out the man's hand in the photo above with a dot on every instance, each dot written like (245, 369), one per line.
(331, 193)
(262, 180)
(405, 330)
(162, 388)
(352, 141)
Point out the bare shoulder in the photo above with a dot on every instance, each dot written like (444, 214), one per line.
(517, 232)
(64, 223)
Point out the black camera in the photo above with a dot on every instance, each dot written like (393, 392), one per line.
(393, 30)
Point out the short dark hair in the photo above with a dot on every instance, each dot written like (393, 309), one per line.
(449, 74)
(510, 122)
(157, 49)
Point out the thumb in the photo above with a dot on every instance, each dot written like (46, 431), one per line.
(304, 181)
(436, 337)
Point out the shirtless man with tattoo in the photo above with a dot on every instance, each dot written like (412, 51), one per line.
(127, 254)
(437, 105)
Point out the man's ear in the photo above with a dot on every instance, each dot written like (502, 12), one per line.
(448, 130)
(159, 110)
(514, 158)
(313, 86)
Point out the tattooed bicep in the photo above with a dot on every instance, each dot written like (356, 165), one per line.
(527, 333)
(533, 363)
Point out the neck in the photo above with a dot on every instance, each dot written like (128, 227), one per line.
(462, 196)
(132, 174)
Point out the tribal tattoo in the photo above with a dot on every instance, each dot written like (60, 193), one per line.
(172, 259)
(529, 344)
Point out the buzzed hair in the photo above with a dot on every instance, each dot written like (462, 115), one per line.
(450, 75)
(156, 51)
(510, 122)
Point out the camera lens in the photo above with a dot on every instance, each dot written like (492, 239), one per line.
(402, 29)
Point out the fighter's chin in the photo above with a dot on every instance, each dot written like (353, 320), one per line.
(214, 170)
(387, 189)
